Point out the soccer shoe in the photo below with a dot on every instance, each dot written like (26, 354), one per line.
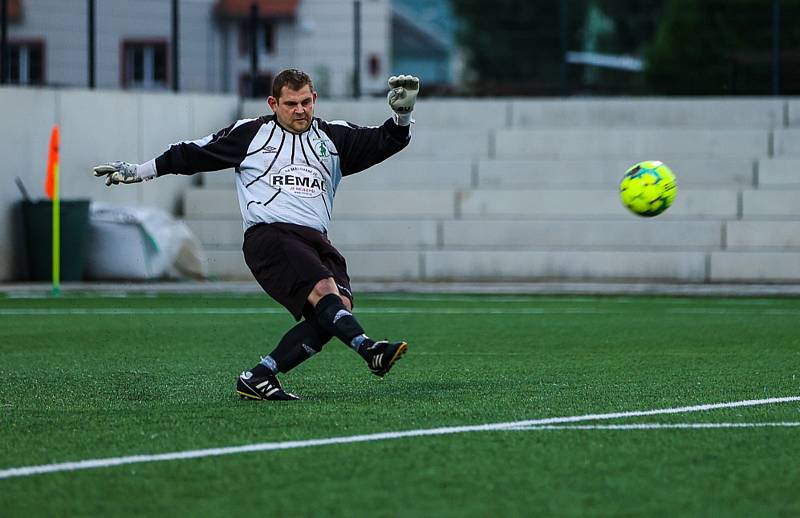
(268, 387)
(382, 355)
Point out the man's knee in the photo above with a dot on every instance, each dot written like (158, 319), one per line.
(322, 288)
(325, 287)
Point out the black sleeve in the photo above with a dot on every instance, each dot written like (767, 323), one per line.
(222, 150)
(362, 147)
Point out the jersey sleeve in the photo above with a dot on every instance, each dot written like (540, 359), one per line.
(222, 150)
(362, 147)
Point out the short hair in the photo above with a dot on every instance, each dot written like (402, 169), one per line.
(293, 78)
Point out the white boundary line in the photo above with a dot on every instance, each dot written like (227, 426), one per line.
(287, 445)
(659, 426)
(280, 311)
(41, 312)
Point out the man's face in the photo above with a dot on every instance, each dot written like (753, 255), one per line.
(294, 108)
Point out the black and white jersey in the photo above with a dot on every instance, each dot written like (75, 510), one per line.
(282, 176)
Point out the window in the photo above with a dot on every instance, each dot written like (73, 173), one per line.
(144, 64)
(26, 62)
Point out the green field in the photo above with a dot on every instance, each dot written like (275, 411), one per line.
(91, 377)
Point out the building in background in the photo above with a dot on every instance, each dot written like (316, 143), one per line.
(48, 44)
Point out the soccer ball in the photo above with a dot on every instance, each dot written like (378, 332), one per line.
(648, 188)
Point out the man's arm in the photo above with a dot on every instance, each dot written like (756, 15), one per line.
(221, 150)
(362, 147)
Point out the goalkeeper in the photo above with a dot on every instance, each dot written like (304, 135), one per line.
(288, 166)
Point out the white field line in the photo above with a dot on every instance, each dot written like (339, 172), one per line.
(274, 311)
(659, 426)
(287, 445)
(40, 312)
(412, 297)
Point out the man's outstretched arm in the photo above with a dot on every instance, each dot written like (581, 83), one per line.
(222, 150)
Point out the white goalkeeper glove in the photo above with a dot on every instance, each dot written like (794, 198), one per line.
(123, 172)
(402, 97)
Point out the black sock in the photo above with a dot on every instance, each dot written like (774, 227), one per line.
(299, 344)
(334, 318)
(261, 370)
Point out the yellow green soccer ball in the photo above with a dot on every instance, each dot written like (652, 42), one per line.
(648, 188)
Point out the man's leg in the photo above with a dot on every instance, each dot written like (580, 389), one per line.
(333, 314)
(299, 344)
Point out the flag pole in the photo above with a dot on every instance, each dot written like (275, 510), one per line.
(52, 189)
(56, 234)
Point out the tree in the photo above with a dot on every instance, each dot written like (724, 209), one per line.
(514, 46)
(723, 47)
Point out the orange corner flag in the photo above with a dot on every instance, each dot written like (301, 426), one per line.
(52, 164)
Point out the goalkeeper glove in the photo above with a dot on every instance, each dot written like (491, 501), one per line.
(402, 96)
(123, 172)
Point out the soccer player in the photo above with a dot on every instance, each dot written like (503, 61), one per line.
(288, 166)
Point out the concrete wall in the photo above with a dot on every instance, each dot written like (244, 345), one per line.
(96, 126)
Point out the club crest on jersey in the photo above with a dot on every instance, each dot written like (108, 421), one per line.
(322, 149)
(301, 180)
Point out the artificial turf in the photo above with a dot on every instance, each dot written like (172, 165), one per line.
(92, 377)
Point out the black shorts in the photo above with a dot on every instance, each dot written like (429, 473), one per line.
(288, 260)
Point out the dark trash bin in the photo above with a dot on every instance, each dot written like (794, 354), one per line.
(37, 217)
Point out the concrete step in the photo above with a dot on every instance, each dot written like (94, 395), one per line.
(719, 173)
(639, 235)
(401, 173)
(219, 233)
(502, 265)
(787, 142)
(772, 204)
(219, 179)
(761, 234)
(209, 203)
(663, 144)
(412, 204)
(774, 172)
(395, 234)
(452, 143)
(793, 112)
(761, 113)
(755, 266)
(542, 265)
(689, 204)
(397, 265)
(506, 265)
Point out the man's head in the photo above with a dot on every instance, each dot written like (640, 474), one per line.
(292, 100)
